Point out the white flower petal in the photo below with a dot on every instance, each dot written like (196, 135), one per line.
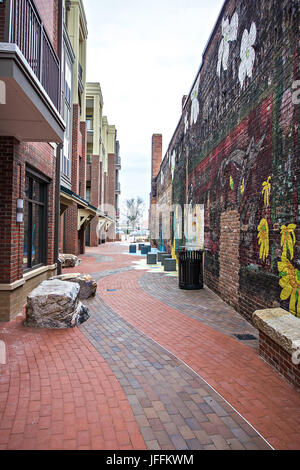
(192, 115)
(252, 34)
(225, 26)
(186, 123)
(234, 25)
(250, 62)
(194, 111)
(220, 55)
(244, 44)
(196, 89)
(242, 73)
(225, 55)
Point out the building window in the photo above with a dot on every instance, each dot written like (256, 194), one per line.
(88, 194)
(67, 144)
(35, 234)
(68, 83)
(89, 122)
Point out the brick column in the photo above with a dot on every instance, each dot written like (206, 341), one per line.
(10, 231)
(156, 159)
(156, 154)
(72, 213)
(95, 196)
(82, 165)
(111, 185)
(71, 225)
(76, 149)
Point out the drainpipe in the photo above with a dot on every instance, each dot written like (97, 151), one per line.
(59, 146)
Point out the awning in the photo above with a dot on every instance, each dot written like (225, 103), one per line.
(86, 212)
(84, 217)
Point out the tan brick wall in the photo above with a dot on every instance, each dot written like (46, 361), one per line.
(12, 302)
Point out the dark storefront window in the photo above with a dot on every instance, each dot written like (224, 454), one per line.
(35, 217)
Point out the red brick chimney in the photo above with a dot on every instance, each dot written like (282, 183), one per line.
(156, 154)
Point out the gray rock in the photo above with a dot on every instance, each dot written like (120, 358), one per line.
(55, 305)
(69, 261)
(88, 286)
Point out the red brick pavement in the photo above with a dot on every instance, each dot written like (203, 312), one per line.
(116, 253)
(235, 370)
(57, 392)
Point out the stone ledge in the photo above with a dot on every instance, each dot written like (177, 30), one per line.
(36, 272)
(279, 325)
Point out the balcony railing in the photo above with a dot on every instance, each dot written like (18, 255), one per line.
(26, 29)
(80, 77)
(80, 71)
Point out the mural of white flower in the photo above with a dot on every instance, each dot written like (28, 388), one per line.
(195, 103)
(229, 33)
(186, 123)
(173, 163)
(247, 54)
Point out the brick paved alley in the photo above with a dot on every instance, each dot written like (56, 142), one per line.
(153, 368)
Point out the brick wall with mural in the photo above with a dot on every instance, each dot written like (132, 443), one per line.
(236, 151)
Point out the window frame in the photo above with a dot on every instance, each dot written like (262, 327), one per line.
(44, 181)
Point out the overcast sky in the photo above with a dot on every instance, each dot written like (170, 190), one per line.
(145, 54)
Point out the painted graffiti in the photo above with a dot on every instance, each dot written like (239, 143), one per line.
(229, 33)
(236, 153)
(247, 54)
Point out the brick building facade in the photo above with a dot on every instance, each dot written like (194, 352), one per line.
(84, 176)
(103, 166)
(50, 193)
(235, 153)
(29, 120)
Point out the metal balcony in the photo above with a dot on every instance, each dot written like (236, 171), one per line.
(118, 188)
(118, 163)
(80, 79)
(27, 31)
(30, 68)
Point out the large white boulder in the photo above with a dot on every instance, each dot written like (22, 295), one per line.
(88, 286)
(55, 304)
(69, 261)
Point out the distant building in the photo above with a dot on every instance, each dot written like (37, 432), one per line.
(103, 165)
(81, 195)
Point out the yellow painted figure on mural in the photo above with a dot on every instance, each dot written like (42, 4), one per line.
(173, 252)
(267, 191)
(288, 239)
(263, 239)
(290, 283)
(243, 186)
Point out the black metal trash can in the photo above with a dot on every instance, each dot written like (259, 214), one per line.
(190, 269)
